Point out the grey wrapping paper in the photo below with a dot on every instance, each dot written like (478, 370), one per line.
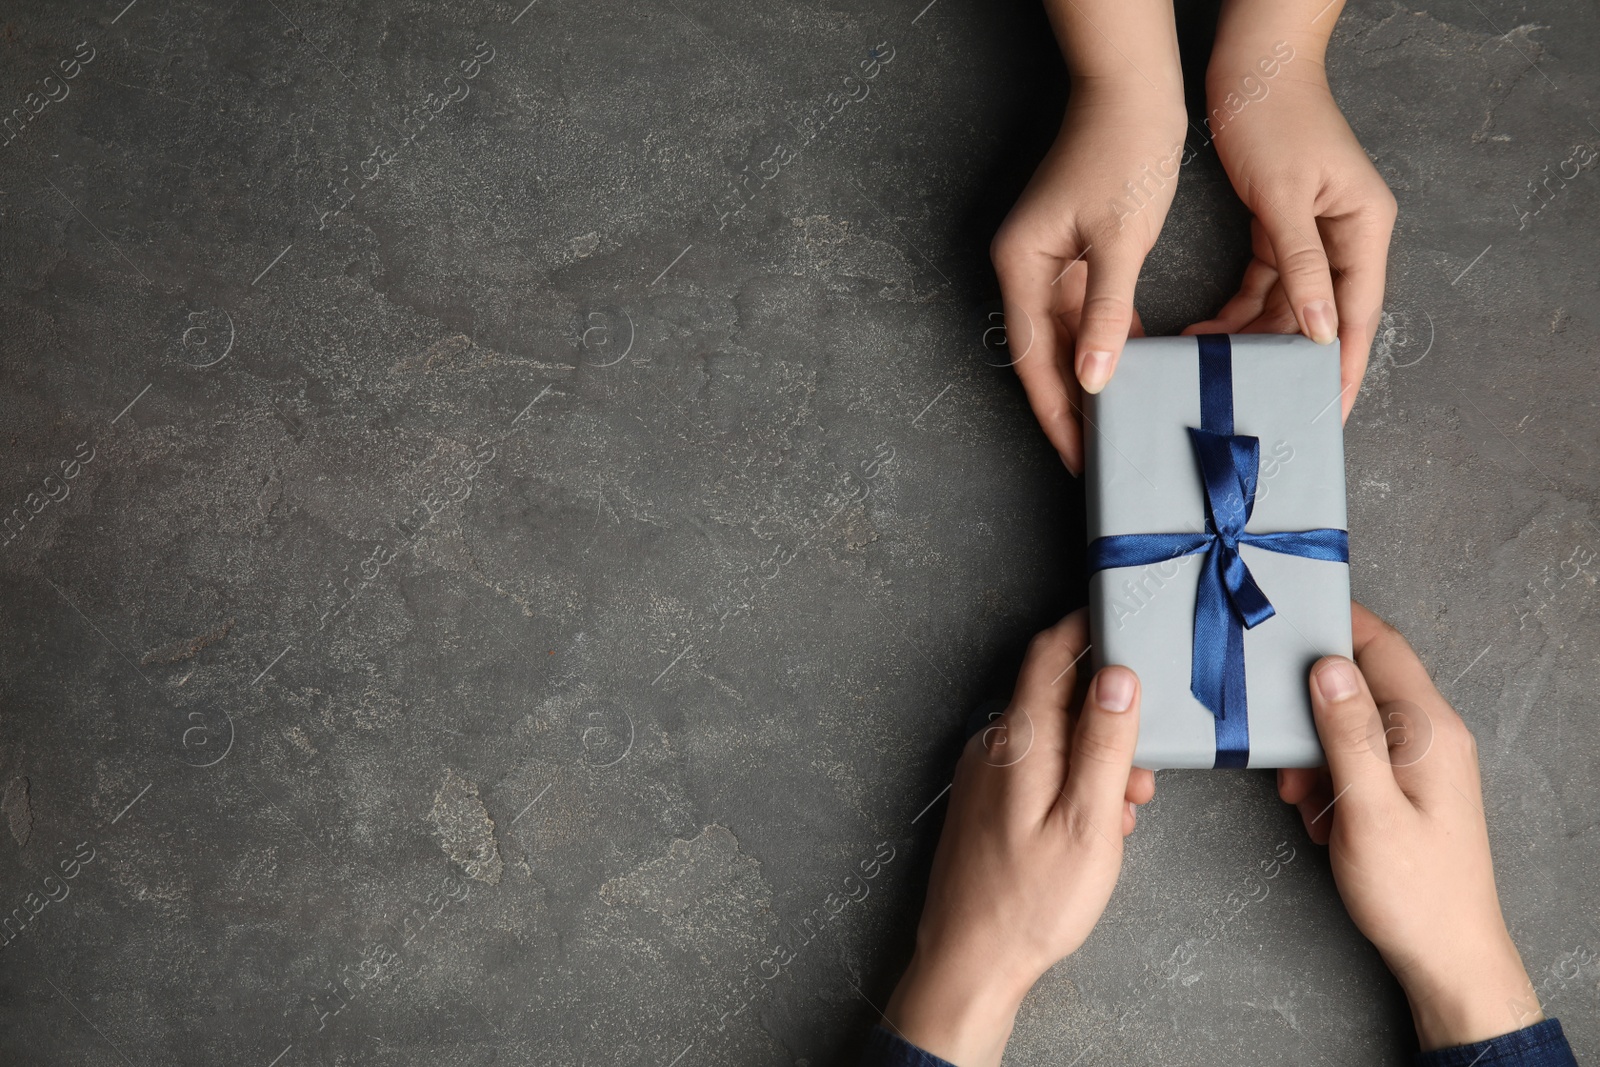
(1142, 477)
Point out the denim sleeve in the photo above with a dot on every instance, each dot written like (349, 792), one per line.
(1540, 1045)
(885, 1049)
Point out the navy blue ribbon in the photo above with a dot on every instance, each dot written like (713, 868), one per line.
(1228, 601)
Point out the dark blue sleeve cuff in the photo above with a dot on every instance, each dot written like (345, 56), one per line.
(1540, 1045)
(887, 1049)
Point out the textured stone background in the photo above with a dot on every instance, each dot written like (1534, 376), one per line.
(730, 520)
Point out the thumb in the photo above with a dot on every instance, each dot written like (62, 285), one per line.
(1303, 267)
(1101, 756)
(1107, 315)
(1351, 731)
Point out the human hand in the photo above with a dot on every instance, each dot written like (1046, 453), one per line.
(1400, 808)
(1322, 214)
(1068, 254)
(1031, 849)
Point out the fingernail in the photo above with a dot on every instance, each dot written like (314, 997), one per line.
(1321, 321)
(1336, 681)
(1133, 812)
(1113, 689)
(1071, 467)
(1094, 370)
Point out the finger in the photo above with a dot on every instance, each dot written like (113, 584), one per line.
(1310, 790)
(1245, 306)
(1433, 748)
(1107, 313)
(1358, 250)
(1274, 318)
(1365, 625)
(1034, 345)
(1029, 742)
(1273, 315)
(1050, 671)
(1317, 810)
(1276, 314)
(1389, 665)
(1296, 783)
(1141, 786)
(1092, 804)
(1291, 227)
(1352, 735)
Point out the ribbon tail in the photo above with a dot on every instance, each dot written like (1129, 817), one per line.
(1216, 670)
(1233, 725)
(1212, 617)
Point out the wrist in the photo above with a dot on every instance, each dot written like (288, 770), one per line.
(1153, 106)
(1254, 62)
(1249, 29)
(1112, 43)
(1472, 1000)
(962, 1013)
(1246, 79)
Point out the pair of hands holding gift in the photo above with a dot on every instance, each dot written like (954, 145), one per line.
(1069, 254)
(1032, 846)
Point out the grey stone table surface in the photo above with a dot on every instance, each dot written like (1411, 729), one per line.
(509, 508)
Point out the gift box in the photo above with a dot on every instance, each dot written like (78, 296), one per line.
(1218, 557)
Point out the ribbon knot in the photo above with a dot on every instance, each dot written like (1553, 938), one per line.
(1227, 601)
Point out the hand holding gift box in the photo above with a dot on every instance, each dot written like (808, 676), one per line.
(1217, 595)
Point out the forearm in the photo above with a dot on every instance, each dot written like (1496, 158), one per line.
(1126, 46)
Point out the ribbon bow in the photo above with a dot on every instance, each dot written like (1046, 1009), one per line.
(1227, 601)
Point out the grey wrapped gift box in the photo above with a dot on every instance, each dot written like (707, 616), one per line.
(1149, 472)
